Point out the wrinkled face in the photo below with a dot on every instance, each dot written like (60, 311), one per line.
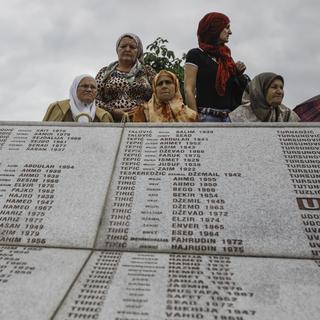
(87, 90)
(127, 50)
(225, 33)
(275, 93)
(165, 88)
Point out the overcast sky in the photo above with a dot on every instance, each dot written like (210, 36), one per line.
(45, 44)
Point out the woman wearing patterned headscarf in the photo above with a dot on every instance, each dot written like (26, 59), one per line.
(166, 103)
(80, 107)
(213, 81)
(262, 101)
(125, 83)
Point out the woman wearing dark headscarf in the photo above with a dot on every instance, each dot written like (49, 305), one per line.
(80, 107)
(166, 103)
(262, 101)
(214, 83)
(125, 83)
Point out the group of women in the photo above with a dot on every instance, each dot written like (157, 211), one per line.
(216, 88)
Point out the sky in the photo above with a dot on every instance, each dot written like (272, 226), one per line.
(45, 44)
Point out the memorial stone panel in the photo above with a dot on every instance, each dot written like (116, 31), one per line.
(53, 183)
(148, 286)
(33, 281)
(226, 190)
(186, 207)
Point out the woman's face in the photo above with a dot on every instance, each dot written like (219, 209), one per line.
(87, 90)
(127, 50)
(165, 88)
(275, 93)
(225, 33)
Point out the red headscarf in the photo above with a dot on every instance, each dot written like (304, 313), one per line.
(209, 29)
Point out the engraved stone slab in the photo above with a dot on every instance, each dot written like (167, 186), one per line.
(53, 182)
(33, 281)
(227, 190)
(147, 286)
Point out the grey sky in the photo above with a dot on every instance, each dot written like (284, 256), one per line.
(45, 44)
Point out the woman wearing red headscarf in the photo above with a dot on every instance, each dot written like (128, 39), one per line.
(214, 83)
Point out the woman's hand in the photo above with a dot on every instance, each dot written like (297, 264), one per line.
(117, 114)
(241, 67)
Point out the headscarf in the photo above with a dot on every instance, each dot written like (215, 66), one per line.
(172, 111)
(209, 29)
(137, 41)
(258, 88)
(254, 107)
(81, 112)
(137, 67)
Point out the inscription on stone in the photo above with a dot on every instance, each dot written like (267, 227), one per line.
(41, 139)
(43, 168)
(183, 203)
(301, 149)
(89, 301)
(29, 202)
(33, 280)
(204, 190)
(4, 135)
(12, 263)
(178, 286)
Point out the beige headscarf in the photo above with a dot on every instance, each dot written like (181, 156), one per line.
(173, 111)
(254, 104)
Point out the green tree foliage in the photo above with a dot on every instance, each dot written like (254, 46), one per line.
(159, 57)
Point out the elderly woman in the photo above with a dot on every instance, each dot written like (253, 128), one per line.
(166, 103)
(214, 83)
(80, 107)
(126, 83)
(262, 101)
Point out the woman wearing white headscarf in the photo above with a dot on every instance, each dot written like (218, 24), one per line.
(126, 83)
(81, 106)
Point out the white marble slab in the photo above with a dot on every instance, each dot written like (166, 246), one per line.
(53, 183)
(171, 286)
(33, 281)
(226, 190)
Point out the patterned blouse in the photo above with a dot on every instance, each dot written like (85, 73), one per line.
(119, 90)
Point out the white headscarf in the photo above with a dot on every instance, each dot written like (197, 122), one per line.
(81, 112)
